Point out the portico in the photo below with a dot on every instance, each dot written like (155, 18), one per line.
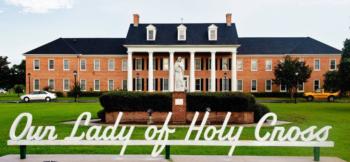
(191, 53)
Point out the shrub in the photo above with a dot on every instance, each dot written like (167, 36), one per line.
(101, 115)
(259, 111)
(86, 94)
(220, 101)
(136, 101)
(58, 93)
(274, 94)
(18, 88)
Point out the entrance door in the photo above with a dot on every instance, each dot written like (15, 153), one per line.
(186, 79)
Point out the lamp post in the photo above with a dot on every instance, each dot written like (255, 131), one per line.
(75, 85)
(28, 82)
(296, 90)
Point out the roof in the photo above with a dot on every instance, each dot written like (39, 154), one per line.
(197, 34)
(86, 46)
(284, 45)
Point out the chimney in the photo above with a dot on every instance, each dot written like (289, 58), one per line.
(136, 20)
(228, 19)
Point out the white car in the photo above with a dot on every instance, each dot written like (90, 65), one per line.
(39, 95)
(3, 91)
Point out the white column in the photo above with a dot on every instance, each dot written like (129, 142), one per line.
(234, 71)
(212, 72)
(192, 78)
(150, 72)
(171, 71)
(130, 71)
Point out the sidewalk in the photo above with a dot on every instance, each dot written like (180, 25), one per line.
(174, 158)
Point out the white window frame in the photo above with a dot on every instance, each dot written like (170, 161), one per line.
(35, 66)
(301, 90)
(330, 64)
(200, 85)
(225, 59)
(283, 90)
(224, 86)
(213, 28)
(99, 85)
(151, 28)
(138, 60)
(165, 90)
(165, 64)
(99, 65)
(83, 60)
(319, 64)
(239, 65)
(251, 65)
(34, 85)
(54, 84)
(126, 85)
(108, 82)
(242, 85)
(198, 60)
(109, 64)
(64, 88)
(48, 65)
(181, 32)
(84, 84)
(124, 65)
(268, 62)
(319, 85)
(64, 68)
(251, 85)
(266, 90)
(137, 81)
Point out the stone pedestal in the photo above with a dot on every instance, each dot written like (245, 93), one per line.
(179, 108)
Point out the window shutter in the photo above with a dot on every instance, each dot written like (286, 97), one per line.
(202, 63)
(216, 64)
(146, 84)
(186, 63)
(202, 84)
(142, 64)
(133, 83)
(220, 63)
(206, 84)
(133, 64)
(220, 84)
(216, 85)
(229, 84)
(161, 84)
(229, 64)
(156, 63)
(207, 64)
(147, 61)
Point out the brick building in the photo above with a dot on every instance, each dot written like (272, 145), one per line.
(215, 59)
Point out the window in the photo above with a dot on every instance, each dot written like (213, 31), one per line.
(300, 87)
(254, 65)
(138, 84)
(111, 65)
(83, 65)
(198, 85)
(165, 64)
(65, 64)
(332, 64)
(209, 64)
(165, 84)
(51, 64)
(240, 85)
(268, 86)
(198, 63)
(283, 87)
(181, 33)
(268, 65)
(317, 85)
(51, 84)
(97, 65)
(239, 65)
(155, 64)
(212, 32)
(83, 85)
(254, 86)
(317, 65)
(138, 64)
(36, 64)
(209, 84)
(110, 85)
(36, 85)
(66, 85)
(96, 85)
(225, 64)
(225, 84)
(125, 85)
(124, 65)
(151, 33)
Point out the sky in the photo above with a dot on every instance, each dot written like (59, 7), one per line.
(27, 24)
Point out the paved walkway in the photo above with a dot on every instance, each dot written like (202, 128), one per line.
(174, 158)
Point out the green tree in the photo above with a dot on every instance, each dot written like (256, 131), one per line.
(331, 81)
(290, 73)
(4, 73)
(344, 68)
(18, 73)
(76, 91)
(18, 89)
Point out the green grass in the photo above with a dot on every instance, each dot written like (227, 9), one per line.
(302, 114)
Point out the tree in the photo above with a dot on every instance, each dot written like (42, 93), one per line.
(4, 73)
(291, 72)
(18, 73)
(331, 81)
(344, 68)
(18, 89)
(76, 91)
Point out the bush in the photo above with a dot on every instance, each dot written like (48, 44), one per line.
(220, 101)
(136, 101)
(86, 94)
(101, 115)
(259, 111)
(58, 94)
(274, 94)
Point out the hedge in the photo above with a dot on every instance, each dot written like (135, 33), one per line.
(87, 94)
(274, 94)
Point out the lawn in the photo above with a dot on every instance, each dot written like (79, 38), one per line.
(301, 114)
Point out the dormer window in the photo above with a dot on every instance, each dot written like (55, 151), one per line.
(151, 33)
(212, 32)
(181, 33)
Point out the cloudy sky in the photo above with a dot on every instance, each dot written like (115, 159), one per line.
(27, 24)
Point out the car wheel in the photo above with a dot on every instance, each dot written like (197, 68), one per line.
(26, 99)
(331, 99)
(47, 99)
(310, 98)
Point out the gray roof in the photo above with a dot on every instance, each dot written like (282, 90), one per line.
(84, 46)
(196, 34)
(284, 45)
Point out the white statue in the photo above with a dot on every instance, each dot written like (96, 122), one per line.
(179, 75)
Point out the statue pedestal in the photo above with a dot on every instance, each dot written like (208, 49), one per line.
(179, 107)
